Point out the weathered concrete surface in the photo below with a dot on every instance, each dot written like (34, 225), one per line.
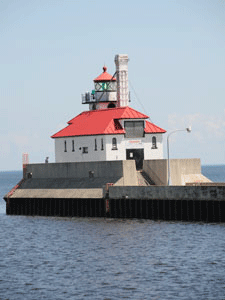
(129, 174)
(83, 174)
(179, 167)
(75, 180)
(181, 171)
(156, 169)
(194, 178)
(67, 183)
(118, 172)
(206, 184)
(77, 170)
(58, 193)
(141, 180)
(168, 192)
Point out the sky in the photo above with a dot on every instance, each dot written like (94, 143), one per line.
(51, 50)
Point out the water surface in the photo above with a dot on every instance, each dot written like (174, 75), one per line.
(94, 258)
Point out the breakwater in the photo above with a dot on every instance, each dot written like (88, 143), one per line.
(113, 190)
(207, 205)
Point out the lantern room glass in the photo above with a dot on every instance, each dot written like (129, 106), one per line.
(109, 86)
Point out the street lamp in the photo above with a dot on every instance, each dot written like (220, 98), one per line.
(188, 129)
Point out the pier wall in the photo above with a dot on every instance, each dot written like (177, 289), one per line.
(79, 189)
(117, 172)
(76, 170)
(178, 193)
(73, 180)
(157, 170)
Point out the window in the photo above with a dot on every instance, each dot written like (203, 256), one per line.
(111, 105)
(96, 145)
(105, 86)
(97, 86)
(134, 129)
(154, 143)
(93, 107)
(112, 86)
(73, 149)
(114, 144)
(102, 144)
(85, 150)
(65, 149)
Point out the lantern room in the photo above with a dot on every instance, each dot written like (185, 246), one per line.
(105, 93)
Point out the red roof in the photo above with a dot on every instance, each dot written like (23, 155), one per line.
(104, 121)
(104, 76)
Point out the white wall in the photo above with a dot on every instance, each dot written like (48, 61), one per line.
(100, 105)
(108, 153)
(154, 153)
(106, 96)
(134, 143)
(77, 155)
(119, 154)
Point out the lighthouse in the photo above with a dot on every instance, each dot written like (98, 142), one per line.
(92, 176)
(110, 130)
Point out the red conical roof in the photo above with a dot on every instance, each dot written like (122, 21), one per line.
(104, 76)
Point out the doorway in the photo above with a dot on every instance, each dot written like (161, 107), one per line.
(137, 155)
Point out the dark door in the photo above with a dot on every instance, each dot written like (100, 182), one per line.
(137, 155)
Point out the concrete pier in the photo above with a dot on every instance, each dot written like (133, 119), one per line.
(112, 189)
(200, 193)
(183, 203)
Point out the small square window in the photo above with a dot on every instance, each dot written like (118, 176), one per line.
(85, 150)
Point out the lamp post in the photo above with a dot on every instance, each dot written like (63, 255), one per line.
(188, 129)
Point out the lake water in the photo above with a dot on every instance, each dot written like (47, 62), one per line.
(94, 258)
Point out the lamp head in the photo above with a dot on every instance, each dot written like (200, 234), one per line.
(188, 129)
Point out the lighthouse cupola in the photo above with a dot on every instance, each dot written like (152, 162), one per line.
(104, 94)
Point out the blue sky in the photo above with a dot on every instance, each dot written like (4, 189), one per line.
(51, 51)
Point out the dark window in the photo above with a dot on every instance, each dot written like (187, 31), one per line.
(154, 143)
(114, 144)
(96, 145)
(85, 150)
(65, 149)
(102, 144)
(111, 105)
(73, 149)
(134, 129)
(117, 125)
